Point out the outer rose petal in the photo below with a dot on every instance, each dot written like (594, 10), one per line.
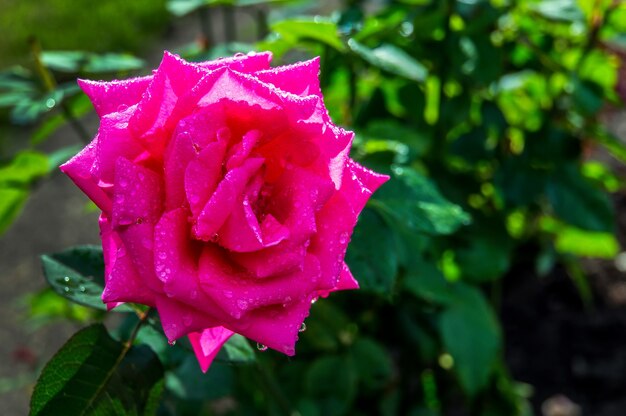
(113, 96)
(78, 169)
(301, 78)
(207, 344)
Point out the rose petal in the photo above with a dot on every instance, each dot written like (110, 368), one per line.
(179, 319)
(114, 96)
(237, 294)
(301, 78)
(175, 261)
(203, 174)
(78, 169)
(207, 344)
(123, 284)
(223, 200)
(137, 195)
(114, 141)
(252, 62)
(276, 327)
(359, 183)
(173, 79)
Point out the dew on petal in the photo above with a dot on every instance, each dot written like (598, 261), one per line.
(261, 347)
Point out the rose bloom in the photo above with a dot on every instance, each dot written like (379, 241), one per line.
(227, 194)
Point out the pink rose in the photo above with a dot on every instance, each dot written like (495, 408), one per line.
(227, 196)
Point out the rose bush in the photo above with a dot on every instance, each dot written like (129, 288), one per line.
(227, 194)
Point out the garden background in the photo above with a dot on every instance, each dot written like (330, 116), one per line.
(490, 265)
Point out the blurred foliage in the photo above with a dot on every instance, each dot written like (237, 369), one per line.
(72, 24)
(486, 114)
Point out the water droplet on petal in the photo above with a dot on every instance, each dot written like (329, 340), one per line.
(313, 301)
(261, 347)
(302, 327)
(242, 304)
(172, 343)
(343, 238)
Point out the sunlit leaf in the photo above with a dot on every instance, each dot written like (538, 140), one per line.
(392, 59)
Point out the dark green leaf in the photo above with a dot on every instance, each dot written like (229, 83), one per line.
(96, 375)
(414, 202)
(471, 334)
(577, 201)
(372, 363)
(78, 275)
(427, 282)
(188, 382)
(371, 255)
(332, 382)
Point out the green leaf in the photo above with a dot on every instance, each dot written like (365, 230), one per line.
(414, 202)
(113, 62)
(236, 350)
(16, 178)
(78, 275)
(23, 169)
(319, 30)
(12, 202)
(486, 255)
(326, 327)
(332, 382)
(471, 334)
(188, 382)
(559, 10)
(371, 240)
(427, 282)
(577, 201)
(64, 61)
(96, 375)
(372, 363)
(392, 59)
